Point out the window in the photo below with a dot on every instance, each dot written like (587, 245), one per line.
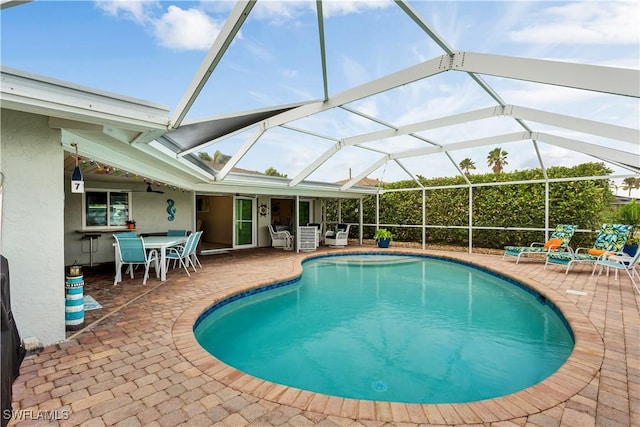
(106, 208)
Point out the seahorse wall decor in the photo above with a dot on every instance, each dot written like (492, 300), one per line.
(171, 209)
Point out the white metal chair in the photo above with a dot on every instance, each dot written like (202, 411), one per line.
(132, 252)
(182, 254)
(619, 261)
(280, 239)
(193, 256)
(339, 237)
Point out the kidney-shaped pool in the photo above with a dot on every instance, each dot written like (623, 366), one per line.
(398, 328)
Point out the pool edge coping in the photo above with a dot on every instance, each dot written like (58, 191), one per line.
(575, 374)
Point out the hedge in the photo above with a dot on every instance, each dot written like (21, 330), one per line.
(519, 205)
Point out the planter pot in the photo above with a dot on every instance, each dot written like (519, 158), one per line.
(131, 226)
(631, 249)
(384, 243)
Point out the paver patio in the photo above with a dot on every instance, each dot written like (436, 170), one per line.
(137, 363)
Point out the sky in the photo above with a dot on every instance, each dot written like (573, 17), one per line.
(152, 49)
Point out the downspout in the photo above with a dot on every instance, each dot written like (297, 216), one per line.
(377, 211)
(296, 223)
(424, 219)
(546, 210)
(470, 219)
(360, 230)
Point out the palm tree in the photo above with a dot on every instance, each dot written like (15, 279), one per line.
(630, 183)
(497, 159)
(466, 165)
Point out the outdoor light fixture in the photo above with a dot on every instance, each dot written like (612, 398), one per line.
(77, 182)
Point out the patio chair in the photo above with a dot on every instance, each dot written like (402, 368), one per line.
(132, 253)
(620, 261)
(610, 240)
(182, 254)
(338, 237)
(126, 234)
(280, 239)
(193, 256)
(558, 242)
(181, 233)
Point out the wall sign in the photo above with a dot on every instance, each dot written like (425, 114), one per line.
(171, 209)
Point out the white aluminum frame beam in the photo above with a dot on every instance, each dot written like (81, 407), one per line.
(605, 153)
(592, 127)
(400, 131)
(231, 27)
(619, 133)
(597, 78)
(391, 81)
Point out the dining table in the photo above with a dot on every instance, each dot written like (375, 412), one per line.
(162, 243)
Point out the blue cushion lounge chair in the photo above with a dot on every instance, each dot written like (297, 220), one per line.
(620, 261)
(562, 232)
(611, 239)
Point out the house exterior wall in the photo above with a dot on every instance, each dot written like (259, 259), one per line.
(263, 237)
(149, 210)
(32, 230)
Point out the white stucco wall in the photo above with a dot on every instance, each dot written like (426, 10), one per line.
(32, 223)
(149, 210)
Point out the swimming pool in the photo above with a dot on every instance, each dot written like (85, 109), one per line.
(456, 346)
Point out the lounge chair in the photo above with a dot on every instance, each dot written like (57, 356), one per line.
(558, 242)
(620, 261)
(610, 240)
(338, 237)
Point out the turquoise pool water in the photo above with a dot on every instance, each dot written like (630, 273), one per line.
(393, 328)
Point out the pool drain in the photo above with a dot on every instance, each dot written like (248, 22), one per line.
(379, 386)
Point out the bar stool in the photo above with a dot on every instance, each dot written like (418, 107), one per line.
(91, 237)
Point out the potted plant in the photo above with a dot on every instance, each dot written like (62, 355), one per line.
(131, 224)
(630, 214)
(382, 237)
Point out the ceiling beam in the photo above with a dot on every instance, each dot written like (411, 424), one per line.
(394, 132)
(231, 27)
(598, 151)
(596, 78)
(365, 173)
(592, 127)
(240, 153)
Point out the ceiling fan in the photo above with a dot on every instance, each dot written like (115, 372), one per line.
(151, 190)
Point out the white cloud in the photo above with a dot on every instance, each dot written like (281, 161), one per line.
(610, 22)
(189, 29)
(343, 7)
(137, 11)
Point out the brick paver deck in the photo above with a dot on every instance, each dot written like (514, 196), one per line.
(137, 363)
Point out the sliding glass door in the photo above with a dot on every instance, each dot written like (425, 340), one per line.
(244, 225)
